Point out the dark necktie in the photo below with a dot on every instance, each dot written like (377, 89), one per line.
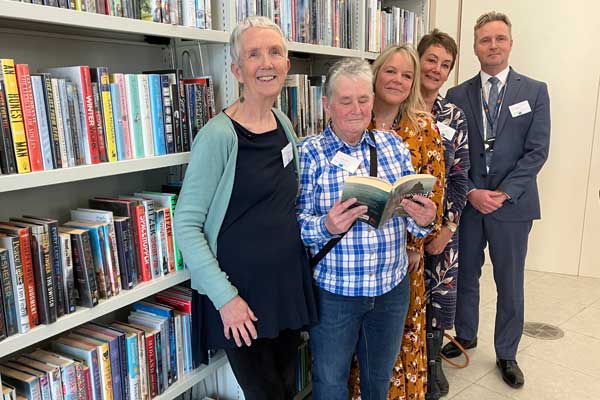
(493, 108)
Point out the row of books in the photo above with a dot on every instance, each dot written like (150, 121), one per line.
(320, 22)
(391, 25)
(70, 116)
(302, 100)
(137, 359)
(48, 270)
(194, 13)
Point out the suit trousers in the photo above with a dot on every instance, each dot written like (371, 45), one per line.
(507, 241)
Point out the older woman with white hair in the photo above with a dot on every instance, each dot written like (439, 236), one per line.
(362, 284)
(236, 226)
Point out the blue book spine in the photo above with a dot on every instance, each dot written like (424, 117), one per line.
(115, 98)
(103, 280)
(133, 365)
(115, 368)
(158, 123)
(186, 343)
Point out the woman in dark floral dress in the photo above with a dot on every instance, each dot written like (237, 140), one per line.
(437, 53)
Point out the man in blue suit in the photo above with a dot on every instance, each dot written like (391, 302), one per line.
(509, 136)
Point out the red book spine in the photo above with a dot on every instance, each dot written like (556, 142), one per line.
(88, 382)
(28, 277)
(29, 117)
(151, 357)
(143, 243)
(90, 114)
(178, 304)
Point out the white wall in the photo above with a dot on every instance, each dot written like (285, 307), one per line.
(553, 42)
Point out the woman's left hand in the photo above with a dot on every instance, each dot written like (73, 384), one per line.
(438, 243)
(421, 209)
(414, 259)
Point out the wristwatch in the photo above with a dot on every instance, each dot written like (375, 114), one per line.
(451, 226)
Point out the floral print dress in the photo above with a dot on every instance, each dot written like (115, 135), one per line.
(442, 271)
(409, 377)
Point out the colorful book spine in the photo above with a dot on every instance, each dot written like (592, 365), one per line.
(7, 152)
(118, 121)
(29, 117)
(134, 116)
(42, 122)
(107, 110)
(167, 103)
(158, 127)
(15, 113)
(146, 114)
(120, 80)
(52, 119)
(8, 294)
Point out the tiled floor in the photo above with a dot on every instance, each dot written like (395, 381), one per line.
(565, 369)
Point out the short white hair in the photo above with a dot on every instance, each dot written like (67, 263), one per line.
(355, 68)
(243, 26)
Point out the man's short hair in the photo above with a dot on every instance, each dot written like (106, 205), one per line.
(491, 17)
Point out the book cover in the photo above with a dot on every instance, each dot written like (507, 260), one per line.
(86, 352)
(29, 117)
(382, 198)
(124, 251)
(119, 79)
(102, 150)
(86, 292)
(51, 371)
(43, 379)
(104, 363)
(66, 367)
(52, 121)
(15, 265)
(68, 272)
(146, 114)
(167, 103)
(78, 138)
(103, 79)
(26, 384)
(44, 129)
(62, 122)
(134, 116)
(157, 116)
(8, 294)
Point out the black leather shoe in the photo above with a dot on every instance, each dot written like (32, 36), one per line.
(511, 373)
(451, 351)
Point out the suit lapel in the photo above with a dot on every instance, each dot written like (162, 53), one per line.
(513, 85)
(474, 94)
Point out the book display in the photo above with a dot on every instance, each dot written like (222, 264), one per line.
(100, 101)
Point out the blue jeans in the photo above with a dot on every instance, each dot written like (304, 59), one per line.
(371, 327)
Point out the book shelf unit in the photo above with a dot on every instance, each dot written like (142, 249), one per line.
(45, 36)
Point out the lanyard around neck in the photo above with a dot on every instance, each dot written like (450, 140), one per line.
(498, 106)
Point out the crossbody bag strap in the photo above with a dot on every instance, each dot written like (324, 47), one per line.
(333, 242)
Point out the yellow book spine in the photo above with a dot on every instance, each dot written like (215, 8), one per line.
(106, 373)
(13, 103)
(109, 124)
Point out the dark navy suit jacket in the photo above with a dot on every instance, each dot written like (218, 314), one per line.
(521, 146)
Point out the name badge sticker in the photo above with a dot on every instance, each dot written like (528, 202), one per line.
(446, 131)
(287, 155)
(519, 109)
(346, 162)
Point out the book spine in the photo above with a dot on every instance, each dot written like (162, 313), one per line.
(124, 115)
(122, 242)
(43, 283)
(76, 119)
(167, 103)
(80, 380)
(152, 370)
(146, 114)
(109, 246)
(100, 128)
(158, 127)
(169, 239)
(19, 288)
(29, 117)
(88, 102)
(107, 108)
(152, 244)
(55, 257)
(133, 367)
(118, 121)
(7, 152)
(134, 116)
(44, 247)
(162, 253)
(43, 124)
(106, 373)
(29, 277)
(68, 273)
(3, 261)
(52, 120)
(8, 294)
(87, 376)
(115, 368)
(176, 117)
(15, 113)
(84, 292)
(60, 123)
(143, 245)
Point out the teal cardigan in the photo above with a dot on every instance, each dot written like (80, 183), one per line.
(204, 200)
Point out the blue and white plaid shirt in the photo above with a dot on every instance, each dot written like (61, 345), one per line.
(367, 261)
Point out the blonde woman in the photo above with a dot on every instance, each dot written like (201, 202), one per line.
(397, 108)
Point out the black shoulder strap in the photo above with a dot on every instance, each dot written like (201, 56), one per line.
(331, 244)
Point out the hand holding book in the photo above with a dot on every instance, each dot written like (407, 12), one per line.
(385, 200)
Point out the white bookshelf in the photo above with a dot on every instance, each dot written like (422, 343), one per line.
(323, 50)
(60, 17)
(9, 183)
(41, 332)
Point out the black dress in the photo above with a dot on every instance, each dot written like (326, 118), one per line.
(259, 246)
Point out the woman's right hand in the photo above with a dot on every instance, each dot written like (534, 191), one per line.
(238, 317)
(342, 215)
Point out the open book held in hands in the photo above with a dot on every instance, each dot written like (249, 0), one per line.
(382, 198)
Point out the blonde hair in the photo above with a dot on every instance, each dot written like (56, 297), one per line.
(414, 105)
(491, 17)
